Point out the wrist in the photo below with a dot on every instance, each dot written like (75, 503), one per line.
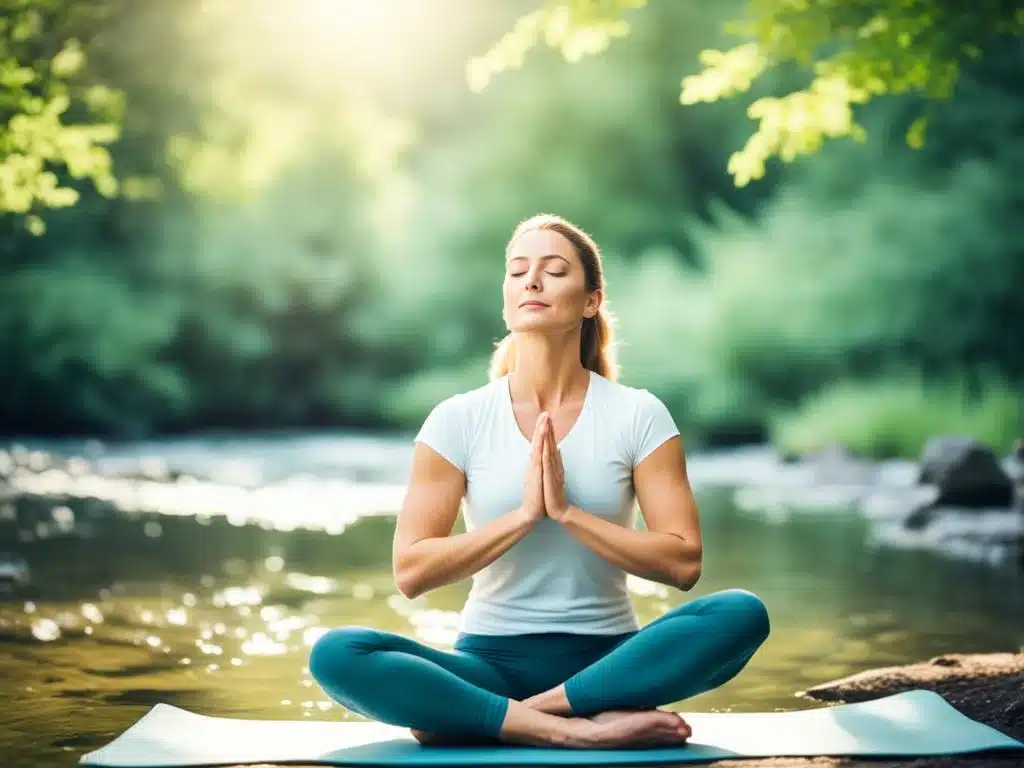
(562, 516)
(525, 517)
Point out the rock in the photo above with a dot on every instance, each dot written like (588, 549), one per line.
(920, 517)
(1014, 465)
(960, 504)
(994, 537)
(912, 504)
(967, 473)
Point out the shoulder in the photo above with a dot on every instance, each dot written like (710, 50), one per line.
(467, 411)
(452, 425)
(642, 418)
(626, 397)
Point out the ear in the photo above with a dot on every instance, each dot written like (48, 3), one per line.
(593, 303)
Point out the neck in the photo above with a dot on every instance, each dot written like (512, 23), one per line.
(547, 370)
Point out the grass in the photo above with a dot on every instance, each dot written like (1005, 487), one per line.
(895, 417)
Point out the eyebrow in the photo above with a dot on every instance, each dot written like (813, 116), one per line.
(546, 257)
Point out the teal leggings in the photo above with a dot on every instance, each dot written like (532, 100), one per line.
(393, 679)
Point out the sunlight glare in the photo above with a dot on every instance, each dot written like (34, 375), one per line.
(319, 16)
(327, 34)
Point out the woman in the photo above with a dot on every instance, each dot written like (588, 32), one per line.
(550, 457)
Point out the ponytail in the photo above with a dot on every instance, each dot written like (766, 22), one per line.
(502, 358)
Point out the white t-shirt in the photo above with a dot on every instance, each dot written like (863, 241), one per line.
(549, 581)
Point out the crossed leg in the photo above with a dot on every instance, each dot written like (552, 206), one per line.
(455, 695)
(451, 697)
(397, 680)
(691, 649)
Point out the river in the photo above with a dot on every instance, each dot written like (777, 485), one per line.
(205, 585)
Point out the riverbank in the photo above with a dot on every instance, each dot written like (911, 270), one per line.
(959, 500)
(987, 687)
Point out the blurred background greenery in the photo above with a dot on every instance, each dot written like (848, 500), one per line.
(293, 215)
(246, 246)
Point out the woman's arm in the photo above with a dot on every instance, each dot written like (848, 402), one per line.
(425, 555)
(670, 550)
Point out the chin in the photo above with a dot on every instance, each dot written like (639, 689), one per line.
(532, 325)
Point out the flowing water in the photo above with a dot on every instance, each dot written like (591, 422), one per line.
(206, 586)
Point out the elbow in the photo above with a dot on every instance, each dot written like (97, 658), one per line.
(689, 572)
(689, 578)
(408, 586)
(406, 580)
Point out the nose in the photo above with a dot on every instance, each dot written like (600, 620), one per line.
(533, 279)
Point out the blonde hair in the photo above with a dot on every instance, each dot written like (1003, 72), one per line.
(597, 352)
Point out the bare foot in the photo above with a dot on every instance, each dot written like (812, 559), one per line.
(639, 728)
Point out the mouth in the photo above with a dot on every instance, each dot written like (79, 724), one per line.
(532, 304)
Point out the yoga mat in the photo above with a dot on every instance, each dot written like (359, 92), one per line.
(913, 723)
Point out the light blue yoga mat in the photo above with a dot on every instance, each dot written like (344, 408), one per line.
(913, 723)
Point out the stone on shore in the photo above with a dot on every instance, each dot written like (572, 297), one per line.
(967, 473)
(987, 687)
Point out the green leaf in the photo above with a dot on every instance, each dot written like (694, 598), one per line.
(69, 61)
(855, 51)
(916, 132)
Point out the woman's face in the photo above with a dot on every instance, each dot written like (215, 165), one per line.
(544, 287)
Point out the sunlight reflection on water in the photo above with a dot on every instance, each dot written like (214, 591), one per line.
(313, 504)
(126, 591)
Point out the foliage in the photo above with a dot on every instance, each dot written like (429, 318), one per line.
(226, 300)
(791, 321)
(82, 352)
(575, 146)
(55, 124)
(862, 262)
(854, 51)
(872, 257)
(324, 241)
(894, 416)
(273, 287)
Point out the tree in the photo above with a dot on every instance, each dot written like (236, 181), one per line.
(854, 50)
(55, 124)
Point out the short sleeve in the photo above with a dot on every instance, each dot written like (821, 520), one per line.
(652, 426)
(444, 430)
